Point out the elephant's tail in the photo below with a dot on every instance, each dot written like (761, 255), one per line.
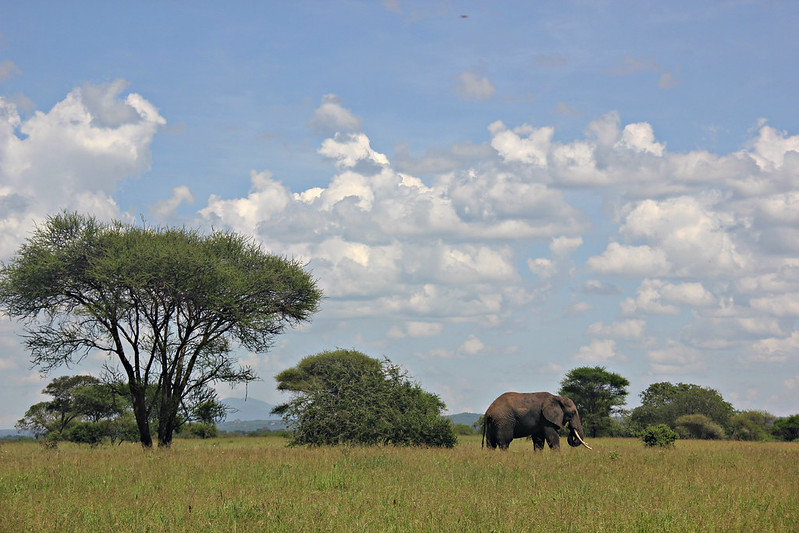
(485, 423)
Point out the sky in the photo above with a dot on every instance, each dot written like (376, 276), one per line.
(490, 194)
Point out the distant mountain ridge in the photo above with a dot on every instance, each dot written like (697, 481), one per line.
(251, 414)
(254, 415)
(248, 409)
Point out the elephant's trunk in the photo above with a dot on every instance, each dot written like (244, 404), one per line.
(575, 437)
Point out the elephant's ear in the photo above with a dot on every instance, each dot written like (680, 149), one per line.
(553, 412)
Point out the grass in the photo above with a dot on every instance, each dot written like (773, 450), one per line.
(258, 484)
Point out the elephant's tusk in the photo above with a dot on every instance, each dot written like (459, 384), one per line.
(582, 441)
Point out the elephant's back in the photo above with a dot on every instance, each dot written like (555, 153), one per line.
(505, 403)
(503, 400)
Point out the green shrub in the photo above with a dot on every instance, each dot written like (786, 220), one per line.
(199, 430)
(91, 433)
(346, 397)
(751, 425)
(698, 427)
(51, 440)
(659, 435)
(464, 429)
(787, 428)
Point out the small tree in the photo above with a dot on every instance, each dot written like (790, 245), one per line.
(169, 304)
(346, 397)
(698, 427)
(659, 435)
(598, 394)
(751, 425)
(75, 399)
(787, 428)
(39, 419)
(664, 403)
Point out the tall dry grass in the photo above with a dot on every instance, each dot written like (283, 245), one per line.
(258, 484)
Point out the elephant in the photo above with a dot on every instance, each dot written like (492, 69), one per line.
(539, 415)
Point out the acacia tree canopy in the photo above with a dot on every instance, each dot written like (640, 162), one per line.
(169, 304)
(596, 393)
(664, 403)
(344, 396)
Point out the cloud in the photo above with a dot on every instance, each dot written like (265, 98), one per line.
(566, 110)
(632, 65)
(164, 209)
(459, 155)
(627, 329)
(786, 304)
(676, 358)
(630, 261)
(472, 346)
(71, 157)
(657, 297)
(416, 330)
(600, 288)
(332, 117)
(599, 351)
(471, 88)
(8, 69)
(683, 237)
(524, 144)
(348, 150)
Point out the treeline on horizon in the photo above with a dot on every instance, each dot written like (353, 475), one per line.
(85, 409)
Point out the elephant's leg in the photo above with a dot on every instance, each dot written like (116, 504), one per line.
(538, 442)
(552, 437)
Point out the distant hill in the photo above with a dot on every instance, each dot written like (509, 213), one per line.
(465, 418)
(253, 415)
(249, 409)
(248, 426)
(11, 434)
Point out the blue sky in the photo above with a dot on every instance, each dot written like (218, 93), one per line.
(490, 194)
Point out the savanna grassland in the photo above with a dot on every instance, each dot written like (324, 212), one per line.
(259, 484)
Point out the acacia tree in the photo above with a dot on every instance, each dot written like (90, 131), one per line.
(75, 398)
(597, 393)
(345, 396)
(169, 304)
(664, 403)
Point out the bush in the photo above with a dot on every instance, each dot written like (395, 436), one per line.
(91, 433)
(199, 430)
(464, 429)
(659, 435)
(751, 425)
(346, 397)
(698, 427)
(787, 428)
(51, 440)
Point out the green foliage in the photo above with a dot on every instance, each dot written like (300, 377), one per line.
(659, 435)
(91, 433)
(787, 428)
(346, 397)
(464, 429)
(209, 412)
(77, 401)
(597, 394)
(751, 425)
(169, 304)
(698, 427)
(199, 430)
(664, 403)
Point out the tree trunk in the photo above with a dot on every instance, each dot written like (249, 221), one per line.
(137, 395)
(167, 416)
